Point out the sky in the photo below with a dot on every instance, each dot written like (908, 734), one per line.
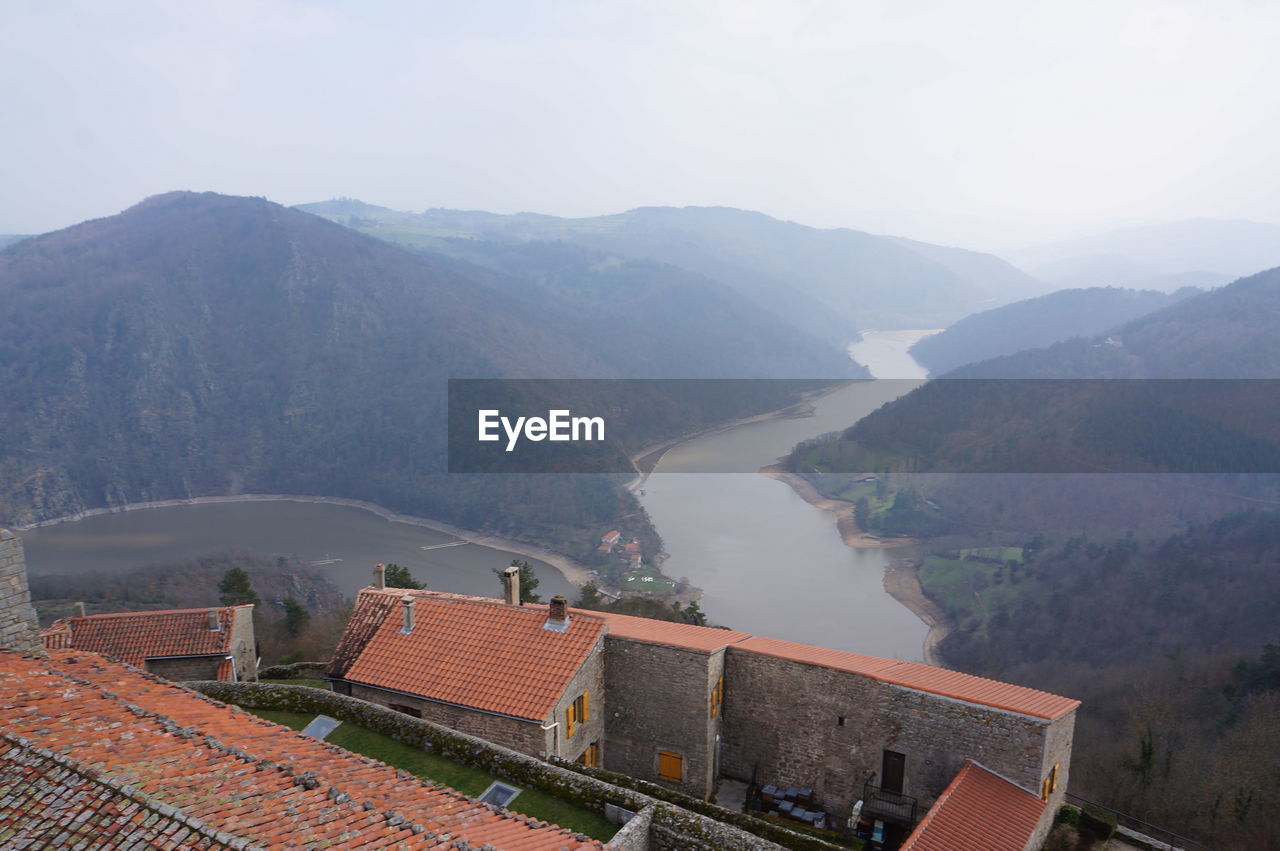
(982, 124)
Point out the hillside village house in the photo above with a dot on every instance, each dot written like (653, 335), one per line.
(95, 753)
(177, 644)
(684, 706)
(95, 748)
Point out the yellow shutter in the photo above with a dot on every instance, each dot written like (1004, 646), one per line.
(586, 706)
(568, 721)
(670, 766)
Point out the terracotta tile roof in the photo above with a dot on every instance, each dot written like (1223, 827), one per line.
(704, 638)
(917, 675)
(133, 637)
(979, 811)
(100, 737)
(52, 803)
(370, 609)
(472, 651)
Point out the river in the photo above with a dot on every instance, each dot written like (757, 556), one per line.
(769, 562)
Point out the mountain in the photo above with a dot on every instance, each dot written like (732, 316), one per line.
(825, 282)
(1158, 255)
(975, 440)
(7, 239)
(1224, 333)
(201, 344)
(1037, 322)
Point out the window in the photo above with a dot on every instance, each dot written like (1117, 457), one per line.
(499, 793)
(577, 712)
(591, 756)
(407, 710)
(839, 720)
(670, 766)
(717, 696)
(1050, 783)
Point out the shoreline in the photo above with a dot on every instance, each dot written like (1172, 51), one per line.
(901, 578)
(646, 460)
(846, 520)
(902, 582)
(573, 571)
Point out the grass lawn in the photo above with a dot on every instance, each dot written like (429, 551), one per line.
(648, 580)
(951, 581)
(467, 780)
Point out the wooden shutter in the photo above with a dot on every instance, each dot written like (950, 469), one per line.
(670, 766)
(586, 706)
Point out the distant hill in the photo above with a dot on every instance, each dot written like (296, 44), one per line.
(7, 239)
(1225, 333)
(203, 344)
(1037, 322)
(1165, 433)
(1157, 256)
(825, 282)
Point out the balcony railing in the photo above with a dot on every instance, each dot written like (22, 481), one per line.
(888, 805)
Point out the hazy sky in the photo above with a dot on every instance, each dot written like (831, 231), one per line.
(981, 123)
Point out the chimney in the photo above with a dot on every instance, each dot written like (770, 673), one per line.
(379, 575)
(406, 605)
(214, 626)
(511, 585)
(80, 612)
(557, 614)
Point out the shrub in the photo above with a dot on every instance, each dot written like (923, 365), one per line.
(1101, 823)
(1067, 815)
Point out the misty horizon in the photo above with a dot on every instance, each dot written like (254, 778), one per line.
(993, 128)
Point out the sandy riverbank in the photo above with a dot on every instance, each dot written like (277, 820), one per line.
(573, 571)
(901, 580)
(846, 521)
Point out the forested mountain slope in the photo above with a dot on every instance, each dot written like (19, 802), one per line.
(1037, 322)
(199, 344)
(827, 282)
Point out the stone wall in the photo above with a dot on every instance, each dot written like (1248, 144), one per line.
(527, 737)
(700, 826)
(19, 629)
(244, 645)
(181, 670)
(795, 724)
(590, 679)
(660, 699)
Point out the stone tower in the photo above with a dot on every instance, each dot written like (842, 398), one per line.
(18, 627)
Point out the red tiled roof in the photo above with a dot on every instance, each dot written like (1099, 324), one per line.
(917, 675)
(979, 811)
(704, 638)
(100, 736)
(133, 637)
(370, 610)
(473, 651)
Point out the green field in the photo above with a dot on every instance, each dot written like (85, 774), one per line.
(648, 580)
(970, 588)
(437, 769)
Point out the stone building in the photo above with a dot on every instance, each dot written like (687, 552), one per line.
(529, 678)
(177, 644)
(686, 706)
(18, 626)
